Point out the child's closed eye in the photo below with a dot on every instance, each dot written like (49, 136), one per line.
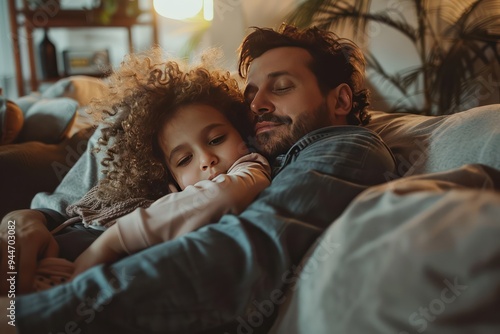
(217, 140)
(184, 161)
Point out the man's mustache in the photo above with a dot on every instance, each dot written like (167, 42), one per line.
(272, 118)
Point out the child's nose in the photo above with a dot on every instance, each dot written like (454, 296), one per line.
(208, 160)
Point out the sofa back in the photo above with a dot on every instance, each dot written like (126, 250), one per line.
(428, 144)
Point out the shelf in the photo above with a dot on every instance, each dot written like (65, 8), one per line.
(29, 20)
(80, 18)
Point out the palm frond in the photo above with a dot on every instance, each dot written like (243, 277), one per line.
(306, 12)
(476, 23)
(328, 14)
(466, 59)
(456, 46)
(450, 12)
(410, 76)
(448, 81)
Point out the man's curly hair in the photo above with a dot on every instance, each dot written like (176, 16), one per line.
(144, 93)
(335, 60)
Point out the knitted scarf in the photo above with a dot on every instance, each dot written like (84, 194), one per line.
(92, 211)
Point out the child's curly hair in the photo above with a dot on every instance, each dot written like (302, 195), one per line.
(144, 92)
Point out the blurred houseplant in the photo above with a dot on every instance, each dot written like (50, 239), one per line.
(97, 11)
(458, 45)
(109, 9)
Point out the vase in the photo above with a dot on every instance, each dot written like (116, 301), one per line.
(48, 58)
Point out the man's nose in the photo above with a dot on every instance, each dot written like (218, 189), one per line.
(208, 159)
(261, 104)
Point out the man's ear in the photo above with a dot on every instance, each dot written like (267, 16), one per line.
(339, 100)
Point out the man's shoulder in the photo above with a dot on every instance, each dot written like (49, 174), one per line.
(346, 129)
(350, 133)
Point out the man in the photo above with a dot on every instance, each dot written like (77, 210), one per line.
(305, 90)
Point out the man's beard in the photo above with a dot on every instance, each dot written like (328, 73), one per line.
(281, 139)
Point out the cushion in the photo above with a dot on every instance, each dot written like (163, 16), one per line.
(427, 144)
(27, 101)
(32, 167)
(48, 120)
(80, 88)
(11, 121)
(59, 111)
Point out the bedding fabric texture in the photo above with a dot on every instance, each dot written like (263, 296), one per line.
(416, 255)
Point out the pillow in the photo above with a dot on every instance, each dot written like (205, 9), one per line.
(27, 101)
(11, 121)
(49, 120)
(80, 88)
(427, 144)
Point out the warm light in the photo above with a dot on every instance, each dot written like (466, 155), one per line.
(178, 9)
(208, 10)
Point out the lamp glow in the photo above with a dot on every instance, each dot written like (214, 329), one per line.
(178, 10)
(208, 10)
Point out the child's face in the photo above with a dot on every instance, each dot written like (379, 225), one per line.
(199, 143)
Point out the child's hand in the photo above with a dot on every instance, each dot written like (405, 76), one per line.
(106, 249)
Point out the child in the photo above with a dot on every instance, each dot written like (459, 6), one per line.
(172, 129)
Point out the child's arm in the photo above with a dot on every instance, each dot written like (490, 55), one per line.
(107, 248)
(195, 206)
(179, 213)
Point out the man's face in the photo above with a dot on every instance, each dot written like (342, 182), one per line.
(285, 98)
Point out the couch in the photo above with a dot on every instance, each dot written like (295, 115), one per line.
(48, 134)
(384, 272)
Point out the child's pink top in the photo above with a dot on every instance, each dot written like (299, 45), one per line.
(196, 206)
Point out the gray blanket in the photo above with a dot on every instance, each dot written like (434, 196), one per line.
(417, 255)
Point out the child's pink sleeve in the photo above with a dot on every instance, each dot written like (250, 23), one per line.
(196, 206)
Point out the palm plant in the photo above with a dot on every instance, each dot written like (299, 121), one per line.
(457, 45)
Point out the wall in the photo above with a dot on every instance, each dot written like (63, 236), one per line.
(7, 75)
(231, 21)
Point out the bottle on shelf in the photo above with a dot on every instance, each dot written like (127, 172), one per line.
(48, 58)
